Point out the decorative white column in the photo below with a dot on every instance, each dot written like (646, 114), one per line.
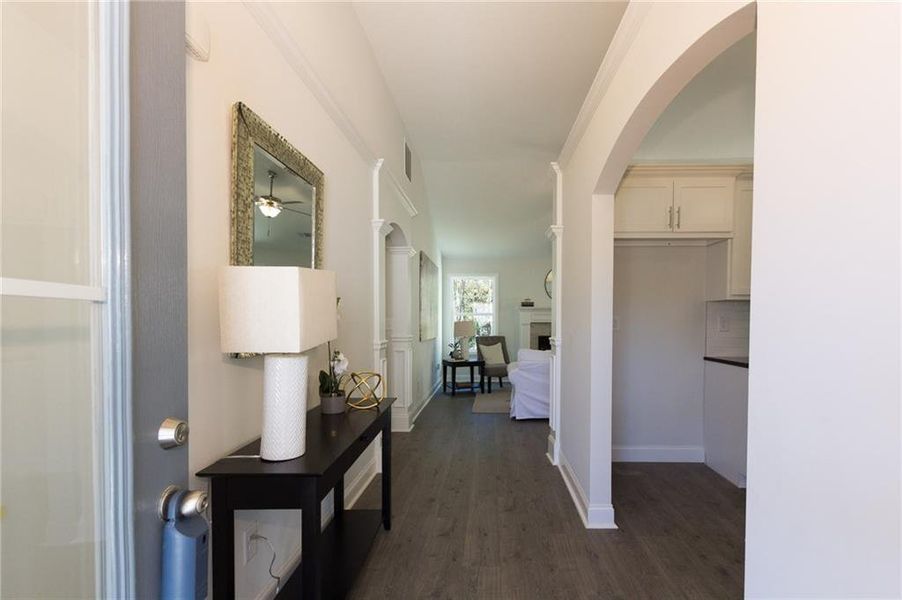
(400, 337)
(380, 230)
(556, 235)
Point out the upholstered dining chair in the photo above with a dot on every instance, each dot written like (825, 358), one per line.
(493, 370)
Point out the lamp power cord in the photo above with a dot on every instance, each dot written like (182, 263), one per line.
(278, 579)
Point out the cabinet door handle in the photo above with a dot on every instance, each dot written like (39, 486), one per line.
(679, 218)
(670, 217)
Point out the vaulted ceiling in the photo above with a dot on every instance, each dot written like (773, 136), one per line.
(488, 93)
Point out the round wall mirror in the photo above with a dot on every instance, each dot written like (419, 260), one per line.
(549, 277)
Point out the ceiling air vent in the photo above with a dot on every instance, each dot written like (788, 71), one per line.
(408, 161)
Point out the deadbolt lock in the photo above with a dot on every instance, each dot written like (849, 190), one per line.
(172, 433)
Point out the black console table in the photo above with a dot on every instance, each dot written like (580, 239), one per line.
(331, 557)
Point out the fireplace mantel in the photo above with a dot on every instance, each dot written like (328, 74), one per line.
(529, 315)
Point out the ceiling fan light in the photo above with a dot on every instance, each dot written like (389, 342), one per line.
(268, 207)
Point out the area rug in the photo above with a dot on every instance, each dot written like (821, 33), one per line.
(498, 401)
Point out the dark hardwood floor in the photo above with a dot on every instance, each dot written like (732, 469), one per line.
(479, 512)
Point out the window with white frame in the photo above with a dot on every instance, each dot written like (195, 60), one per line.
(473, 298)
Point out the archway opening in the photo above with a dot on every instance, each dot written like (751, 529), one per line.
(681, 294)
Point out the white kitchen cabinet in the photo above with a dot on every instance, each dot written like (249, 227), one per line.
(703, 204)
(726, 420)
(676, 201)
(644, 205)
(741, 248)
(729, 262)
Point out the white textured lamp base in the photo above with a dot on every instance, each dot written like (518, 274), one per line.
(284, 406)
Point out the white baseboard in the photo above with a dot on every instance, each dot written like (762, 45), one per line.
(400, 420)
(553, 449)
(594, 516)
(425, 402)
(355, 488)
(404, 418)
(683, 454)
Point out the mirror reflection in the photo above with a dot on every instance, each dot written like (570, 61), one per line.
(283, 214)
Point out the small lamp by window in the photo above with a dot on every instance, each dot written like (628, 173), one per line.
(463, 331)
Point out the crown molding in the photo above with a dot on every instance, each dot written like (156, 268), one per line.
(269, 21)
(697, 169)
(196, 49)
(404, 199)
(613, 58)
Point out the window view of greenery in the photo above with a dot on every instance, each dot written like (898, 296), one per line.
(474, 300)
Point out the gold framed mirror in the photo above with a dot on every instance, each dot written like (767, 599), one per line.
(277, 198)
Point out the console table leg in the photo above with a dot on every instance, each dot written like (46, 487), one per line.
(311, 544)
(338, 497)
(223, 542)
(386, 475)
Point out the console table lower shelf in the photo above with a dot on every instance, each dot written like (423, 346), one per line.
(332, 556)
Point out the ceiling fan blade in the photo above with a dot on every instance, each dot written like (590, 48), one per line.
(292, 202)
(300, 212)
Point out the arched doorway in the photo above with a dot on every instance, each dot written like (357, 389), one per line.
(659, 49)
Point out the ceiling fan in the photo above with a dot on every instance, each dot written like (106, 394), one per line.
(271, 206)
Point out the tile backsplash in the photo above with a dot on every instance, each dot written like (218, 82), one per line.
(727, 328)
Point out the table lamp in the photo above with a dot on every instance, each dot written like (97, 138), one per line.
(280, 312)
(463, 331)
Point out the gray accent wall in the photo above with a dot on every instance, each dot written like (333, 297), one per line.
(159, 266)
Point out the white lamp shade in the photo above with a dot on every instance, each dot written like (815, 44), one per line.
(270, 310)
(464, 329)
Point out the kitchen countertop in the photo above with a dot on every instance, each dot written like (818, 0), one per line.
(736, 361)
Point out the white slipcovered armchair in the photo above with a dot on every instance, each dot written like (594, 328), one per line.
(530, 378)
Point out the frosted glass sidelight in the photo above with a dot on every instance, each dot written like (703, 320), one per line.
(48, 400)
(46, 167)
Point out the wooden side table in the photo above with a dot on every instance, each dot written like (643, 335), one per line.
(453, 365)
(333, 556)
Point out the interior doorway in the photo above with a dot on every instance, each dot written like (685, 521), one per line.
(681, 296)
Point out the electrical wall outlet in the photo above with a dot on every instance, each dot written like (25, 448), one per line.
(248, 543)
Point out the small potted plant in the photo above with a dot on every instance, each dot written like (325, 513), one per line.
(332, 397)
(456, 350)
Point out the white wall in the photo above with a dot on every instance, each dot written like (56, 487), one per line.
(518, 278)
(659, 342)
(824, 505)
(713, 118)
(336, 130)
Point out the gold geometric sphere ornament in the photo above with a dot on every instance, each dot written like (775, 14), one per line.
(369, 388)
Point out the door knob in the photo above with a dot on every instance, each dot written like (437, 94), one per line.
(172, 433)
(191, 502)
